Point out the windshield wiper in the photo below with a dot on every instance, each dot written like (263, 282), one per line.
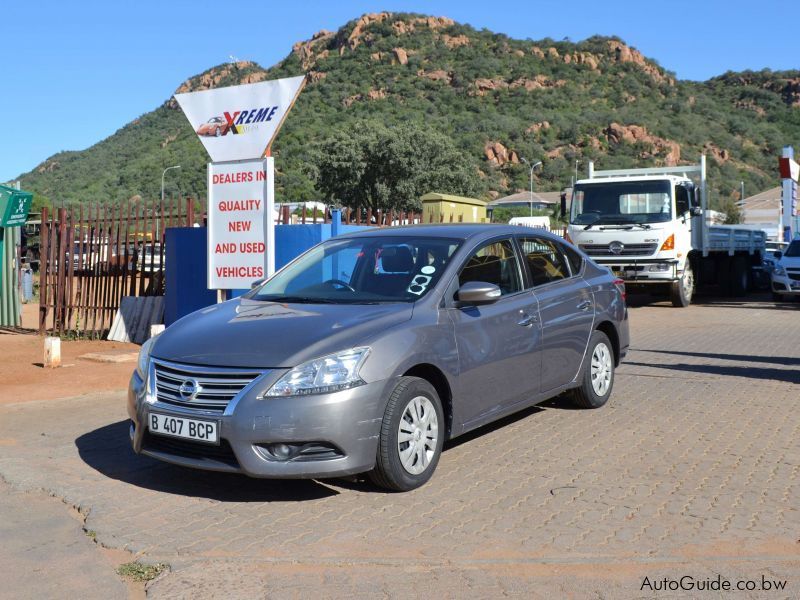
(297, 300)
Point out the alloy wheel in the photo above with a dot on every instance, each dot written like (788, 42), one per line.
(601, 369)
(417, 435)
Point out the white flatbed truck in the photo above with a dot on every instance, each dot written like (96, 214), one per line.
(649, 227)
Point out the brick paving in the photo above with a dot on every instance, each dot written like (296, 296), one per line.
(692, 468)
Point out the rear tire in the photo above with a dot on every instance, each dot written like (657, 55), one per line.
(414, 412)
(598, 373)
(681, 291)
(739, 276)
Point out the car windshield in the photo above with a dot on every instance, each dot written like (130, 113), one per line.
(793, 249)
(363, 270)
(621, 203)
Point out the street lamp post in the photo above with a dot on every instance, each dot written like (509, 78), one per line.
(532, 166)
(162, 179)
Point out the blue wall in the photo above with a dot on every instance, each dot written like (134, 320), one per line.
(185, 264)
(186, 246)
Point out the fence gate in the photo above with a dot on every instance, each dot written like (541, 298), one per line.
(94, 255)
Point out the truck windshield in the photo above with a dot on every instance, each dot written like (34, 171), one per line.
(621, 203)
(363, 270)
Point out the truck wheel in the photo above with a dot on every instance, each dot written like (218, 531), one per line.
(682, 290)
(411, 437)
(739, 276)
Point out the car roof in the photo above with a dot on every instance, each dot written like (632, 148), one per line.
(449, 230)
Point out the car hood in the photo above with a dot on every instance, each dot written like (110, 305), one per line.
(791, 262)
(251, 334)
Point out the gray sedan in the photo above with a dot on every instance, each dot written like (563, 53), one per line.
(371, 349)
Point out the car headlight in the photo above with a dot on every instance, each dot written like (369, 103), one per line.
(144, 358)
(330, 373)
(779, 270)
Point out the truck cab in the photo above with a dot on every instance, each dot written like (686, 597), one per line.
(648, 227)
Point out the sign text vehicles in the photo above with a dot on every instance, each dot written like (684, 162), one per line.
(240, 122)
(241, 246)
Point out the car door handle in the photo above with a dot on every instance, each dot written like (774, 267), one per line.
(585, 305)
(527, 320)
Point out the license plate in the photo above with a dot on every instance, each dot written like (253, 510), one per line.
(181, 427)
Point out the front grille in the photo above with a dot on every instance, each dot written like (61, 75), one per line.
(794, 276)
(217, 386)
(627, 249)
(223, 453)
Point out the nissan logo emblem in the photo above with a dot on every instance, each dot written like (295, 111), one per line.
(616, 247)
(189, 389)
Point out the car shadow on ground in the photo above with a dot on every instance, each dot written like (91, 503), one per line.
(753, 301)
(762, 373)
(774, 360)
(108, 451)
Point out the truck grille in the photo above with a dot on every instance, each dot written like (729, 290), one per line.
(214, 387)
(627, 250)
(793, 274)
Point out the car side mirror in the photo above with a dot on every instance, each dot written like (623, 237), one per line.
(257, 283)
(777, 254)
(696, 211)
(478, 292)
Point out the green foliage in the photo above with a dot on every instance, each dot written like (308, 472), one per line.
(359, 91)
(503, 214)
(374, 166)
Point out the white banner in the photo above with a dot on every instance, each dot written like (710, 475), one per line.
(241, 223)
(240, 122)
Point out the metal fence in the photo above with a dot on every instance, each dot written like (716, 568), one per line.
(94, 255)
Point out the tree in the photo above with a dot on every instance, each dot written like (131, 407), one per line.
(380, 167)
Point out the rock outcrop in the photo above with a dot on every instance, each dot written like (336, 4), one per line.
(401, 55)
(622, 53)
(659, 148)
(454, 41)
(537, 127)
(497, 154)
(482, 86)
(437, 75)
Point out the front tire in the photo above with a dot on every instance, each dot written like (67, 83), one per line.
(411, 437)
(776, 297)
(681, 291)
(598, 373)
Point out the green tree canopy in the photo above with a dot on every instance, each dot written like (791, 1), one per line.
(374, 166)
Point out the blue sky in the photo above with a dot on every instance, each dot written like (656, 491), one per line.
(75, 72)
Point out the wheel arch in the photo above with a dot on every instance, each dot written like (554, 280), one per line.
(610, 330)
(436, 377)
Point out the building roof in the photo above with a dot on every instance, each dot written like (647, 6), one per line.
(525, 198)
(763, 207)
(437, 197)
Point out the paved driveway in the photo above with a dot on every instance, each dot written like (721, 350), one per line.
(693, 469)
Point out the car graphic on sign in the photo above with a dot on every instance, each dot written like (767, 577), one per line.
(214, 127)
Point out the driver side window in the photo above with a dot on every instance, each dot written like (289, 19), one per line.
(496, 263)
(682, 203)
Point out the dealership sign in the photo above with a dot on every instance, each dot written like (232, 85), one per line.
(241, 226)
(240, 122)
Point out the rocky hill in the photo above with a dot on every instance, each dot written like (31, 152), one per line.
(498, 98)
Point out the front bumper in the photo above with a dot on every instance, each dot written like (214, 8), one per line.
(644, 270)
(785, 285)
(348, 421)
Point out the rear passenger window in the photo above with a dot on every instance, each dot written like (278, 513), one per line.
(546, 262)
(494, 263)
(574, 258)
